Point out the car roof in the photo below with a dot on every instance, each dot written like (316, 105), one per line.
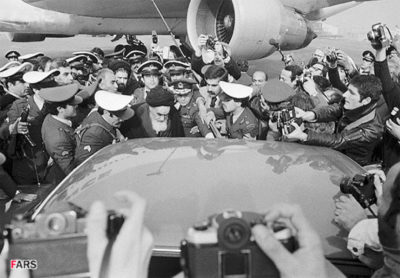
(186, 180)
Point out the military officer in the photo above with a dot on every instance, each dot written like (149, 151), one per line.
(240, 121)
(30, 157)
(176, 69)
(57, 131)
(188, 109)
(150, 71)
(101, 128)
(135, 58)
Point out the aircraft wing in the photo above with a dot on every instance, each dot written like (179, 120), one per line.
(114, 8)
(248, 26)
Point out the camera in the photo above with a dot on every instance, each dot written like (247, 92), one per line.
(395, 114)
(284, 117)
(56, 241)
(331, 56)
(210, 43)
(223, 246)
(24, 119)
(361, 187)
(380, 36)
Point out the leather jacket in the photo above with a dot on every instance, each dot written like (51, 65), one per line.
(356, 138)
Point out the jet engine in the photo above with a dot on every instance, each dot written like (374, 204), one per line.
(248, 26)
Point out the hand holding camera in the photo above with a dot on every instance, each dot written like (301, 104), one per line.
(309, 253)
(131, 251)
(380, 36)
(224, 246)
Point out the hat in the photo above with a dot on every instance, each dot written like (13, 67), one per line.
(135, 55)
(17, 69)
(276, 91)
(182, 86)
(159, 96)
(2, 158)
(368, 56)
(115, 103)
(10, 65)
(119, 51)
(61, 93)
(77, 58)
(117, 64)
(30, 56)
(236, 90)
(33, 77)
(12, 54)
(150, 66)
(88, 54)
(176, 66)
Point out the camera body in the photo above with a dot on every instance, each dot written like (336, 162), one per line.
(284, 118)
(395, 114)
(331, 56)
(379, 36)
(224, 246)
(211, 41)
(361, 187)
(57, 241)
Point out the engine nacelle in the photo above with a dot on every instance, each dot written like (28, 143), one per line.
(248, 26)
(25, 37)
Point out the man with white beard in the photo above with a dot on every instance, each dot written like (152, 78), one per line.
(157, 117)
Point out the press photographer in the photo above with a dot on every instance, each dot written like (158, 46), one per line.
(358, 130)
(211, 51)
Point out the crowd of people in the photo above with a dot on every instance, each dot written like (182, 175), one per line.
(56, 112)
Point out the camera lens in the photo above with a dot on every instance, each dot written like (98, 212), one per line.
(234, 233)
(56, 223)
(345, 185)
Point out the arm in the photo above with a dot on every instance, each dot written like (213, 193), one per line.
(232, 68)
(334, 78)
(197, 64)
(328, 113)
(7, 183)
(391, 92)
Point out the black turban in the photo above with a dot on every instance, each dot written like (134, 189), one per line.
(159, 96)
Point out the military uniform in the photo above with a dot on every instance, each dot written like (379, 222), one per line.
(190, 118)
(59, 140)
(246, 123)
(23, 170)
(94, 134)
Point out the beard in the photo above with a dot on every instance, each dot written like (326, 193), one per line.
(121, 87)
(159, 126)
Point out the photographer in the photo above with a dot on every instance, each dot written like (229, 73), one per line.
(358, 130)
(391, 94)
(211, 51)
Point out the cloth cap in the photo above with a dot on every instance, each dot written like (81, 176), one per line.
(10, 65)
(12, 53)
(61, 93)
(115, 103)
(14, 70)
(77, 58)
(233, 90)
(150, 66)
(182, 86)
(2, 158)
(135, 54)
(30, 56)
(276, 91)
(88, 54)
(33, 77)
(159, 96)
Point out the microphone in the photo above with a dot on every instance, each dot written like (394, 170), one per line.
(273, 42)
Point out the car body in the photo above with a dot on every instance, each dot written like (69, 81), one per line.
(186, 180)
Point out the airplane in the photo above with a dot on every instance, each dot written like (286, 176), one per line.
(248, 26)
